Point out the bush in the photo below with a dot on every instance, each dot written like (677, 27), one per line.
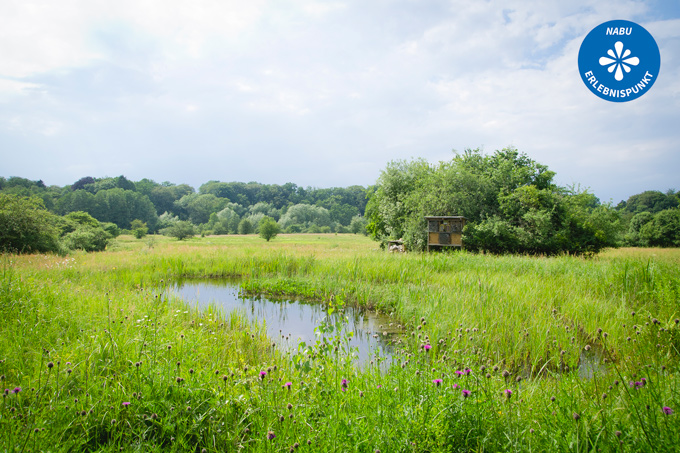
(358, 225)
(26, 226)
(269, 228)
(180, 230)
(111, 228)
(245, 227)
(87, 238)
(295, 228)
(139, 228)
(663, 230)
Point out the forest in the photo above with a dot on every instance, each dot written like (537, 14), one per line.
(511, 202)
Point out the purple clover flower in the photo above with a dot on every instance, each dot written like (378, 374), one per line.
(667, 410)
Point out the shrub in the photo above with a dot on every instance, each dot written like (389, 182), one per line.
(87, 238)
(269, 228)
(139, 228)
(180, 230)
(245, 227)
(26, 226)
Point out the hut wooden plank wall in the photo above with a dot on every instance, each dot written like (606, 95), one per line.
(445, 231)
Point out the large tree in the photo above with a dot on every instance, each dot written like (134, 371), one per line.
(510, 202)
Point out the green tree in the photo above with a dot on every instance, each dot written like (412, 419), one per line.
(639, 220)
(199, 207)
(87, 238)
(245, 227)
(139, 228)
(663, 230)
(358, 225)
(26, 226)
(651, 201)
(269, 228)
(509, 201)
(306, 215)
(180, 230)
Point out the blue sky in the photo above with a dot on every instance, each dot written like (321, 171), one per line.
(325, 93)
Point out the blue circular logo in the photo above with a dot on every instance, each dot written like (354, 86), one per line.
(619, 61)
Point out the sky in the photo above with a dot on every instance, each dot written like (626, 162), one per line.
(325, 93)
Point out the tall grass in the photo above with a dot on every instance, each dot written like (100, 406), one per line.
(511, 330)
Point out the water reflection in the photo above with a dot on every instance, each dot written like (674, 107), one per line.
(289, 322)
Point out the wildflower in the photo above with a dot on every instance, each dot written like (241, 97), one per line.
(287, 385)
(16, 390)
(508, 393)
(576, 416)
(50, 364)
(126, 404)
(344, 383)
(271, 435)
(437, 382)
(667, 410)
(466, 393)
(263, 374)
(427, 347)
(617, 433)
(587, 348)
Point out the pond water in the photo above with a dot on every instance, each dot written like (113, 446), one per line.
(290, 321)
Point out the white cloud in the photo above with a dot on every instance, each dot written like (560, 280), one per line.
(324, 92)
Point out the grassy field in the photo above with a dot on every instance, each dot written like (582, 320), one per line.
(503, 353)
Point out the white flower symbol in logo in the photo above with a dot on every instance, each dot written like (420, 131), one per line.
(619, 60)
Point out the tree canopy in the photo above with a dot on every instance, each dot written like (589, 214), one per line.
(510, 202)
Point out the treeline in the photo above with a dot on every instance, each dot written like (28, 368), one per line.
(216, 208)
(512, 205)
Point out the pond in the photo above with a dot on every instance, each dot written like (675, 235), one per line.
(290, 321)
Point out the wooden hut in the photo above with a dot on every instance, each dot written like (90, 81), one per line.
(445, 231)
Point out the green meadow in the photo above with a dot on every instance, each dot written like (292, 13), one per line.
(501, 353)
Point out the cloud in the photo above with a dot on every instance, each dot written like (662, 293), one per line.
(322, 93)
